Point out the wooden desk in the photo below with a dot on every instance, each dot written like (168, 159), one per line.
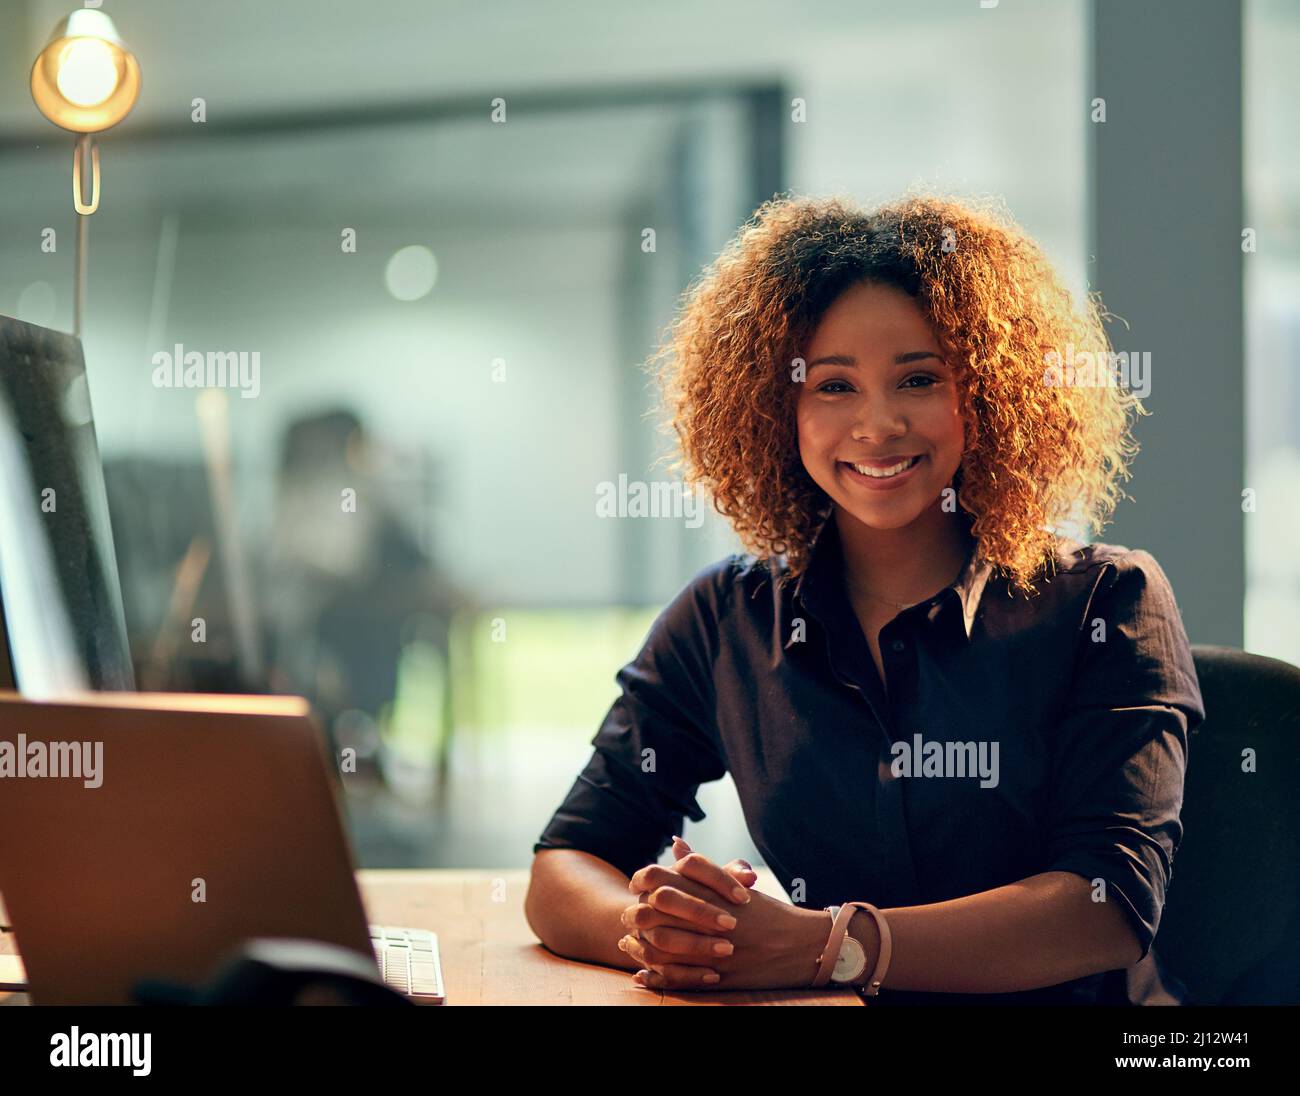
(491, 957)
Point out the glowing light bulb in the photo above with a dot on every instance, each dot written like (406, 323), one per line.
(87, 72)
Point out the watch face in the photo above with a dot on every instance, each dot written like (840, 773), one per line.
(851, 963)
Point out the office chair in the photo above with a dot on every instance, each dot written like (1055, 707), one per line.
(1230, 931)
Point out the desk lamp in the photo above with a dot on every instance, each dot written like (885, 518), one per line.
(85, 80)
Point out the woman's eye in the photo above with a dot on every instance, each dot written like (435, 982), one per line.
(834, 388)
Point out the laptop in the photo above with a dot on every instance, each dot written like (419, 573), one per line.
(62, 625)
(148, 834)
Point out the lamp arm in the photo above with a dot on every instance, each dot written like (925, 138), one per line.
(85, 144)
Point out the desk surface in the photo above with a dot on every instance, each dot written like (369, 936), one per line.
(491, 957)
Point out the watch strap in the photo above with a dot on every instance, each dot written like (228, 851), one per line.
(872, 988)
(840, 917)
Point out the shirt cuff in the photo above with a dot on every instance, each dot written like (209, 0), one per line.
(1125, 885)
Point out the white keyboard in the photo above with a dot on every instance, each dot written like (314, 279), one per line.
(408, 959)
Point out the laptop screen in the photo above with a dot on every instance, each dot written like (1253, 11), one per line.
(60, 601)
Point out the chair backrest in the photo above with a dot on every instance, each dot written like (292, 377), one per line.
(1230, 931)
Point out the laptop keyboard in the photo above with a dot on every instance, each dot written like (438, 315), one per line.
(408, 959)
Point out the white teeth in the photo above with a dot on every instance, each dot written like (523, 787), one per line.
(885, 473)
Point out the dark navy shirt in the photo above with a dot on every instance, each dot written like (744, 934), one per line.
(1088, 691)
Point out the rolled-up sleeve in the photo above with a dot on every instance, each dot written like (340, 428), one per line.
(657, 744)
(1119, 753)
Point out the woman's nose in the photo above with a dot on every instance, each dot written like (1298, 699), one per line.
(877, 419)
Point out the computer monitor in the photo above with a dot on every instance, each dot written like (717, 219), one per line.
(60, 600)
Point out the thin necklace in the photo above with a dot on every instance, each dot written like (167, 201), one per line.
(896, 604)
(877, 597)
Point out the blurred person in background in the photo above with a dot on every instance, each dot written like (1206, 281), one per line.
(344, 575)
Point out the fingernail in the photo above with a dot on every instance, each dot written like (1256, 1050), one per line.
(710, 977)
(740, 895)
(748, 866)
(726, 921)
(723, 947)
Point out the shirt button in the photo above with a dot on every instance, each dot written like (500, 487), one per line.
(898, 645)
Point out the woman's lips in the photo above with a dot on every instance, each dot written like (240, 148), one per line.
(878, 483)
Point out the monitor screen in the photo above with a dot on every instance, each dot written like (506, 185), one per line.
(60, 600)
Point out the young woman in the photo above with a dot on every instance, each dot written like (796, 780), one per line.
(933, 702)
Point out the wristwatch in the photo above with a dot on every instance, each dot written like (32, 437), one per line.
(852, 959)
(842, 960)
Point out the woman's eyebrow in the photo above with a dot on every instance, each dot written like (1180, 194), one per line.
(851, 362)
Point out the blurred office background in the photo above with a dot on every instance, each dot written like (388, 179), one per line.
(471, 370)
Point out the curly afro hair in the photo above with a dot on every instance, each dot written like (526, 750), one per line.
(1038, 453)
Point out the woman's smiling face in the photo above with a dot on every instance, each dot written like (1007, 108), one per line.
(877, 392)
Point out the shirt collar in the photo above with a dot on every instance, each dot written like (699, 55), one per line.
(822, 580)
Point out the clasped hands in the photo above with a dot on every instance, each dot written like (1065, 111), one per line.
(696, 925)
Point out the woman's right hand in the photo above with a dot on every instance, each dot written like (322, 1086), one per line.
(739, 869)
(683, 927)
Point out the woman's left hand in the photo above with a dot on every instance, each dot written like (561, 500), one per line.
(777, 945)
